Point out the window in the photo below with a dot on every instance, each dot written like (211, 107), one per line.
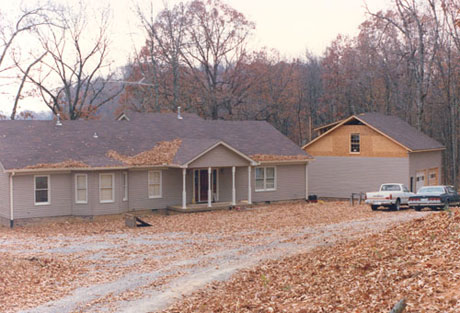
(125, 186)
(354, 143)
(106, 190)
(154, 184)
(81, 188)
(391, 188)
(265, 178)
(42, 190)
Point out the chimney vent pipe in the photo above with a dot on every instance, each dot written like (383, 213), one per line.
(58, 120)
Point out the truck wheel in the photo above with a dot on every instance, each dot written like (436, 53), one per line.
(397, 205)
(374, 207)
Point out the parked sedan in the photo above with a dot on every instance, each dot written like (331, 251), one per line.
(434, 197)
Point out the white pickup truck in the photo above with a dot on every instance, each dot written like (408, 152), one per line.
(390, 195)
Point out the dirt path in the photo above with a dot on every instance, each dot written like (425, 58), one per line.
(152, 271)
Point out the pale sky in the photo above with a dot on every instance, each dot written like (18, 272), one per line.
(289, 26)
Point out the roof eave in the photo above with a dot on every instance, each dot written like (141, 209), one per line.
(90, 169)
(340, 123)
(382, 133)
(428, 150)
(286, 161)
(241, 154)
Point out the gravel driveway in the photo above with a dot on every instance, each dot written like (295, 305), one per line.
(146, 270)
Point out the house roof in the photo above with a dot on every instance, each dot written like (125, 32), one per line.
(394, 128)
(30, 143)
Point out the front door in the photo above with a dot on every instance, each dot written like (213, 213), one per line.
(201, 185)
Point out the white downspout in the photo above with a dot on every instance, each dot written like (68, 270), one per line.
(209, 187)
(184, 190)
(233, 186)
(11, 201)
(306, 181)
(249, 185)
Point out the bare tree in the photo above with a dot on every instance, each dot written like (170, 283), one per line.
(216, 38)
(69, 77)
(28, 21)
(420, 34)
(168, 34)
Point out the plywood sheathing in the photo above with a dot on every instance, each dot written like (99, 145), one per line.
(162, 154)
(373, 144)
(274, 157)
(63, 164)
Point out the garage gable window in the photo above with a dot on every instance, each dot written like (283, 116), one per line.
(42, 190)
(355, 143)
(265, 178)
(106, 188)
(154, 184)
(81, 188)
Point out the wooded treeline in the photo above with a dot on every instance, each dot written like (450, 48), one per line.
(405, 61)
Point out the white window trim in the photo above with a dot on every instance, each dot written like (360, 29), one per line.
(265, 179)
(35, 190)
(353, 152)
(161, 185)
(76, 188)
(125, 186)
(113, 188)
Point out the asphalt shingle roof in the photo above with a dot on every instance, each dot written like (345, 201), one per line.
(27, 143)
(400, 131)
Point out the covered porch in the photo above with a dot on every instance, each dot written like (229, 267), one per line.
(215, 187)
(220, 176)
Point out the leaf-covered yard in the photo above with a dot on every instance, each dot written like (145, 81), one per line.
(418, 261)
(75, 266)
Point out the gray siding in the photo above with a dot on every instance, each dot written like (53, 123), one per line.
(60, 197)
(118, 206)
(218, 157)
(225, 184)
(338, 177)
(94, 206)
(171, 189)
(290, 184)
(4, 194)
(79, 208)
(425, 160)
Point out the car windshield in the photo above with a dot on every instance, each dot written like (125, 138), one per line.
(391, 188)
(431, 190)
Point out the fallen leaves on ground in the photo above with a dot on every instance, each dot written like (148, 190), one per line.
(33, 280)
(418, 261)
(78, 253)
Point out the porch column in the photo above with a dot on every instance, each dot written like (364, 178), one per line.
(184, 192)
(233, 186)
(209, 187)
(306, 181)
(249, 186)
